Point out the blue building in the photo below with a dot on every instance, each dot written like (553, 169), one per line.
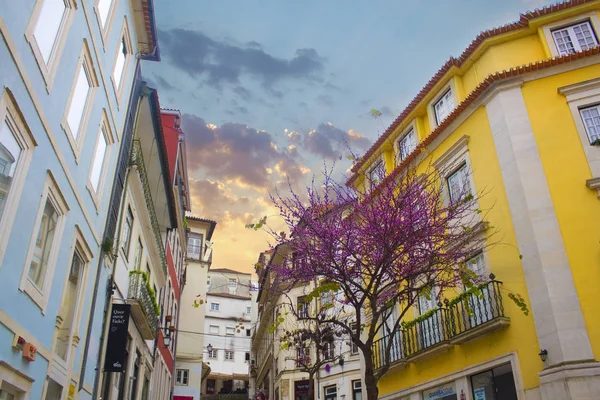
(67, 74)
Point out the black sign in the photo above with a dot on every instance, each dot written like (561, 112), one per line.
(117, 338)
(301, 386)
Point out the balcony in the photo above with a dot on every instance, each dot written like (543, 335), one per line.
(460, 320)
(143, 305)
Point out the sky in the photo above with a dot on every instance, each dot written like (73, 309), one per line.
(271, 91)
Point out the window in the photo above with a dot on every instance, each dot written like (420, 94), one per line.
(575, 38)
(120, 63)
(214, 329)
(229, 355)
(232, 283)
(497, 383)
(69, 308)
(104, 7)
(138, 255)
(248, 309)
(214, 306)
(303, 307)
(182, 377)
(194, 247)
(302, 357)
(458, 184)
(16, 149)
(54, 391)
(444, 106)
(47, 32)
(330, 392)
(407, 144)
(127, 229)
(248, 332)
(354, 347)
(43, 248)
(477, 265)
(230, 330)
(377, 173)
(328, 351)
(101, 153)
(591, 122)
(212, 354)
(247, 357)
(81, 98)
(357, 390)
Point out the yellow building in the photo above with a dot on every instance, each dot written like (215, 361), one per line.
(517, 115)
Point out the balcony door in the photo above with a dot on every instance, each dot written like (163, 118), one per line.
(481, 306)
(430, 329)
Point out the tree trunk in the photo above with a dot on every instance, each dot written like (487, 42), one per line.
(311, 386)
(370, 379)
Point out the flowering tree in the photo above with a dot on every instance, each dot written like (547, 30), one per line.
(383, 247)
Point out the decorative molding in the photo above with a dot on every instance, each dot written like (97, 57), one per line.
(591, 84)
(454, 151)
(4, 364)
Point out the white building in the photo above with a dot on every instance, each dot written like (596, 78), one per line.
(190, 364)
(278, 373)
(228, 330)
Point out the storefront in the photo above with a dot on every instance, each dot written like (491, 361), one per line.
(488, 381)
(301, 390)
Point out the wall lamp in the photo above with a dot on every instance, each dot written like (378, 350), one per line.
(168, 330)
(543, 354)
(209, 348)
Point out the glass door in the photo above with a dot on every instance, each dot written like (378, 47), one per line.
(494, 384)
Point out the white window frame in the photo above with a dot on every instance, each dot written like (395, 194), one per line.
(248, 310)
(48, 69)
(353, 345)
(582, 116)
(182, 377)
(372, 168)
(124, 37)
(572, 35)
(398, 146)
(229, 355)
(431, 112)
(213, 331)
(40, 295)
(592, 17)
(448, 96)
(449, 162)
(105, 28)
(217, 308)
(213, 354)
(229, 330)
(106, 132)
(11, 114)
(76, 139)
(462, 172)
(583, 95)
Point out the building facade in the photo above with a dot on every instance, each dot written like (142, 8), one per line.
(190, 359)
(278, 371)
(515, 116)
(228, 333)
(61, 135)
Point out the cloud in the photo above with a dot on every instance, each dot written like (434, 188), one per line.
(330, 142)
(237, 152)
(222, 62)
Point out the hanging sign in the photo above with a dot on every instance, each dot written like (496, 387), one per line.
(117, 338)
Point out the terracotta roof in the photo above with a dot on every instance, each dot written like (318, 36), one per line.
(229, 271)
(229, 296)
(522, 23)
(480, 90)
(150, 26)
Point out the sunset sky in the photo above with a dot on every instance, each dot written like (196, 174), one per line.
(270, 89)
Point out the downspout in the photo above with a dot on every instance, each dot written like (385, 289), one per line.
(95, 294)
(110, 289)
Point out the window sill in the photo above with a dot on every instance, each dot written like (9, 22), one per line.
(594, 184)
(34, 294)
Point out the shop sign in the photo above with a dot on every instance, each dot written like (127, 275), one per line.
(439, 392)
(117, 338)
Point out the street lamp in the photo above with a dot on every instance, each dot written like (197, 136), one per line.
(209, 348)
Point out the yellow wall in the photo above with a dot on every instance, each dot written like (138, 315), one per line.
(505, 263)
(567, 169)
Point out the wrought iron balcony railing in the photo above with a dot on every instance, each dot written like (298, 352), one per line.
(459, 320)
(137, 159)
(143, 305)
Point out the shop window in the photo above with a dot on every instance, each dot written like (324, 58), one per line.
(497, 383)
